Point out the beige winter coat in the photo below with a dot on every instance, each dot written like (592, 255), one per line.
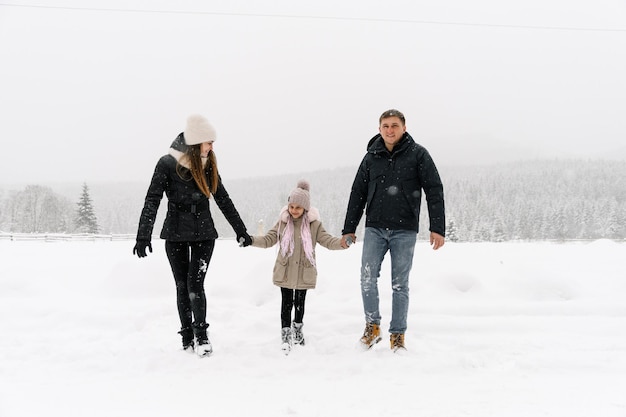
(296, 272)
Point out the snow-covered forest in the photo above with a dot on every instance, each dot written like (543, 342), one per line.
(533, 200)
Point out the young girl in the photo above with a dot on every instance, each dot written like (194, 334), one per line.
(188, 176)
(298, 230)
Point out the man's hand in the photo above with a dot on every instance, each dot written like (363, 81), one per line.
(436, 240)
(347, 240)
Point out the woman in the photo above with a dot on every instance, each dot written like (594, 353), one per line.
(189, 177)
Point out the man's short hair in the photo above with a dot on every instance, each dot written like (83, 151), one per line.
(392, 113)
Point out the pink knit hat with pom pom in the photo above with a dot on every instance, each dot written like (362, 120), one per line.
(300, 195)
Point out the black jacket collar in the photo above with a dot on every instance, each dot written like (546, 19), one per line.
(376, 145)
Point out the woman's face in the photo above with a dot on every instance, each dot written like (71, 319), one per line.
(296, 211)
(205, 148)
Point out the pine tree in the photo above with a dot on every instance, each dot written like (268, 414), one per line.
(86, 221)
(452, 232)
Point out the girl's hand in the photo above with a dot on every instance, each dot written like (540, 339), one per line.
(347, 240)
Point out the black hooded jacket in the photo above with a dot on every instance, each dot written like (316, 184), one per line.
(388, 185)
(188, 216)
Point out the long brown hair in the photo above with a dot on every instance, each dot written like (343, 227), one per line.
(198, 172)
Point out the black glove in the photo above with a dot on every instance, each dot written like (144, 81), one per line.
(140, 248)
(244, 239)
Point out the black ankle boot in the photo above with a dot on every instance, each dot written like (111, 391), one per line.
(203, 345)
(200, 331)
(187, 335)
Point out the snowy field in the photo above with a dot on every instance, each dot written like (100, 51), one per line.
(495, 329)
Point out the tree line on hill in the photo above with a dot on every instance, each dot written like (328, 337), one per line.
(532, 200)
(38, 209)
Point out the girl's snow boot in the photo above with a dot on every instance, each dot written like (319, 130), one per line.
(287, 341)
(298, 336)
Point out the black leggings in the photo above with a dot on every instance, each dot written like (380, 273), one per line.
(291, 299)
(189, 262)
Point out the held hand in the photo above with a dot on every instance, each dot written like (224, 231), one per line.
(436, 240)
(140, 248)
(244, 239)
(347, 240)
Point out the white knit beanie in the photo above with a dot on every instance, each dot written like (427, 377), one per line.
(198, 130)
(300, 195)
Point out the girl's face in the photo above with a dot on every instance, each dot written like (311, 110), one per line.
(296, 211)
(205, 148)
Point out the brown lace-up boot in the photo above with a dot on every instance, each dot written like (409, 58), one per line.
(371, 335)
(397, 341)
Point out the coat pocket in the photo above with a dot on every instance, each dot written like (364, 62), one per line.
(280, 270)
(309, 276)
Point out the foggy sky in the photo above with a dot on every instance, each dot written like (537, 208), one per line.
(97, 95)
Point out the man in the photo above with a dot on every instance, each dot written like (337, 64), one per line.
(388, 186)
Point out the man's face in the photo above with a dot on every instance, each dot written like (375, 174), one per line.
(391, 129)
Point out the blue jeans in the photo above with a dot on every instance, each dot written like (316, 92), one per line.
(376, 243)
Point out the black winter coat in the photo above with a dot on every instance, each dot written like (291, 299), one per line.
(388, 185)
(188, 216)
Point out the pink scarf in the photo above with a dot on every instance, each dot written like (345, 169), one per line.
(287, 241)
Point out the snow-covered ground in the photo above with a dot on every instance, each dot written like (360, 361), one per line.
(495, 329)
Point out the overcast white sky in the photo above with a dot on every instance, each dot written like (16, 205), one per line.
(96, 95)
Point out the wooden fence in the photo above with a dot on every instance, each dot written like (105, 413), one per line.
(62, 237)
